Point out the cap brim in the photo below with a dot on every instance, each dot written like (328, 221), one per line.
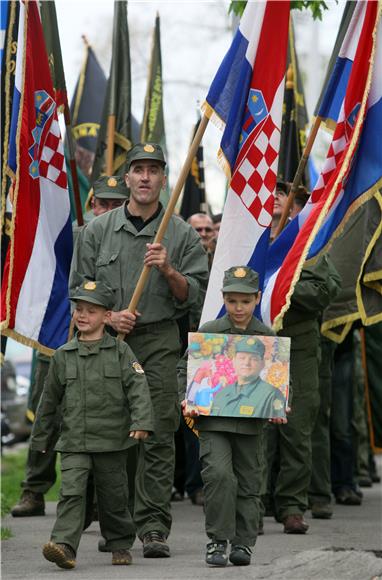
(91, 300)
(141, 157)
(239, 288)
(109, 195)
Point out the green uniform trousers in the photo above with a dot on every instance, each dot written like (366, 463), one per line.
(359, 420)
(320, 490)
(231, 473)
(292, 441)
(109, 472)
(40, 467)
(157, 349)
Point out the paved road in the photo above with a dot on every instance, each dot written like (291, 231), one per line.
(347, 547)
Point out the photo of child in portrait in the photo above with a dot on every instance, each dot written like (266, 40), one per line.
(238, 376)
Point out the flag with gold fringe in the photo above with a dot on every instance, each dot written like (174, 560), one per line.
(352, 172)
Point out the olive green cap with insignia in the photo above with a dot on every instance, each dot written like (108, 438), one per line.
(241, 279)
(250, 344)
(110, 187)
(94, 292)
(150, 151)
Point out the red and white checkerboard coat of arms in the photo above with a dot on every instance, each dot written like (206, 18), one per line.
(255, 173)
(47, 152)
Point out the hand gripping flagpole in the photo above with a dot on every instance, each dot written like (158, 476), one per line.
(168, 213)
(298, 176)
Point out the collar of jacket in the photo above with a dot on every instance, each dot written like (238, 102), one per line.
(122, 222)
(226, 324)
(75, 344)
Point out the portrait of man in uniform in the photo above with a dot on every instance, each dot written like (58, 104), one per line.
(249, 395)
(238, 380)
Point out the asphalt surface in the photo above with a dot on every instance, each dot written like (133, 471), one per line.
(349, 546)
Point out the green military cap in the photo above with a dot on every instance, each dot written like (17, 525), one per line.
(110, 187)
(241, 279)
(151, 151)
(250, 344)
(96, 293)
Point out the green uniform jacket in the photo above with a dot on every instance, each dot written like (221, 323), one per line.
(112, 251)
(88, 217)
(239, 400)
(316, 288)
(103, 395)
(243, 426)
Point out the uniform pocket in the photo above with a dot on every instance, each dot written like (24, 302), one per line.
(108, 269)
(72, 395)
(74, 474)
(112, 385)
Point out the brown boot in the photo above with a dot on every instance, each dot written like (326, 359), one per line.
(121, 557)
(61, 554)
(295, 524)
(30, 504)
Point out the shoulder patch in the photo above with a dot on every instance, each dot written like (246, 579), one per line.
(137, 367)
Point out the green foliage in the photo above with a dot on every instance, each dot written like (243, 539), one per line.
(6, 533)
(317, 7)
(13, 473)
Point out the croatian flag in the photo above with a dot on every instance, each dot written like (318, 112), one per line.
(246, 96)
(35, 304)
(352, 172)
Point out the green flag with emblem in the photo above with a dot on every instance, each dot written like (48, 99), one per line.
(114, 137)
(153, 129)
(86, 109)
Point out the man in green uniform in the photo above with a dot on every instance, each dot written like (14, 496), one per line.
(114, 248)
(105, 406)
(109, 193)
(317, 286)
(249, 396)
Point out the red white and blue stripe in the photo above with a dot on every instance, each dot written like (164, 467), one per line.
(247, 97)
(352, 171)
(35, 303)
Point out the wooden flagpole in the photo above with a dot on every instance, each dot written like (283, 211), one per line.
(110, 144)
(298, 176)
(168, 213)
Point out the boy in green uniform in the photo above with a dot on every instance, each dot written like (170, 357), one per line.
(231, 450)
(105, 404)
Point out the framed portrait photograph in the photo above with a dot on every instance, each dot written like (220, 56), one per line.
(230, 375)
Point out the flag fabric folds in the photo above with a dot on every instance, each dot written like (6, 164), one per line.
(8, 66)
(194, 193)
(357, 255)
(53, 48)
(153, 128)
(352, 171)
(246, 96)
(118, 99)
(86, 110)
(337, 73)
(35, 304)
(295, 118)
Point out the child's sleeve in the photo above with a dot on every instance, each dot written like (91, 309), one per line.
(51, 398)
(137, 393)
